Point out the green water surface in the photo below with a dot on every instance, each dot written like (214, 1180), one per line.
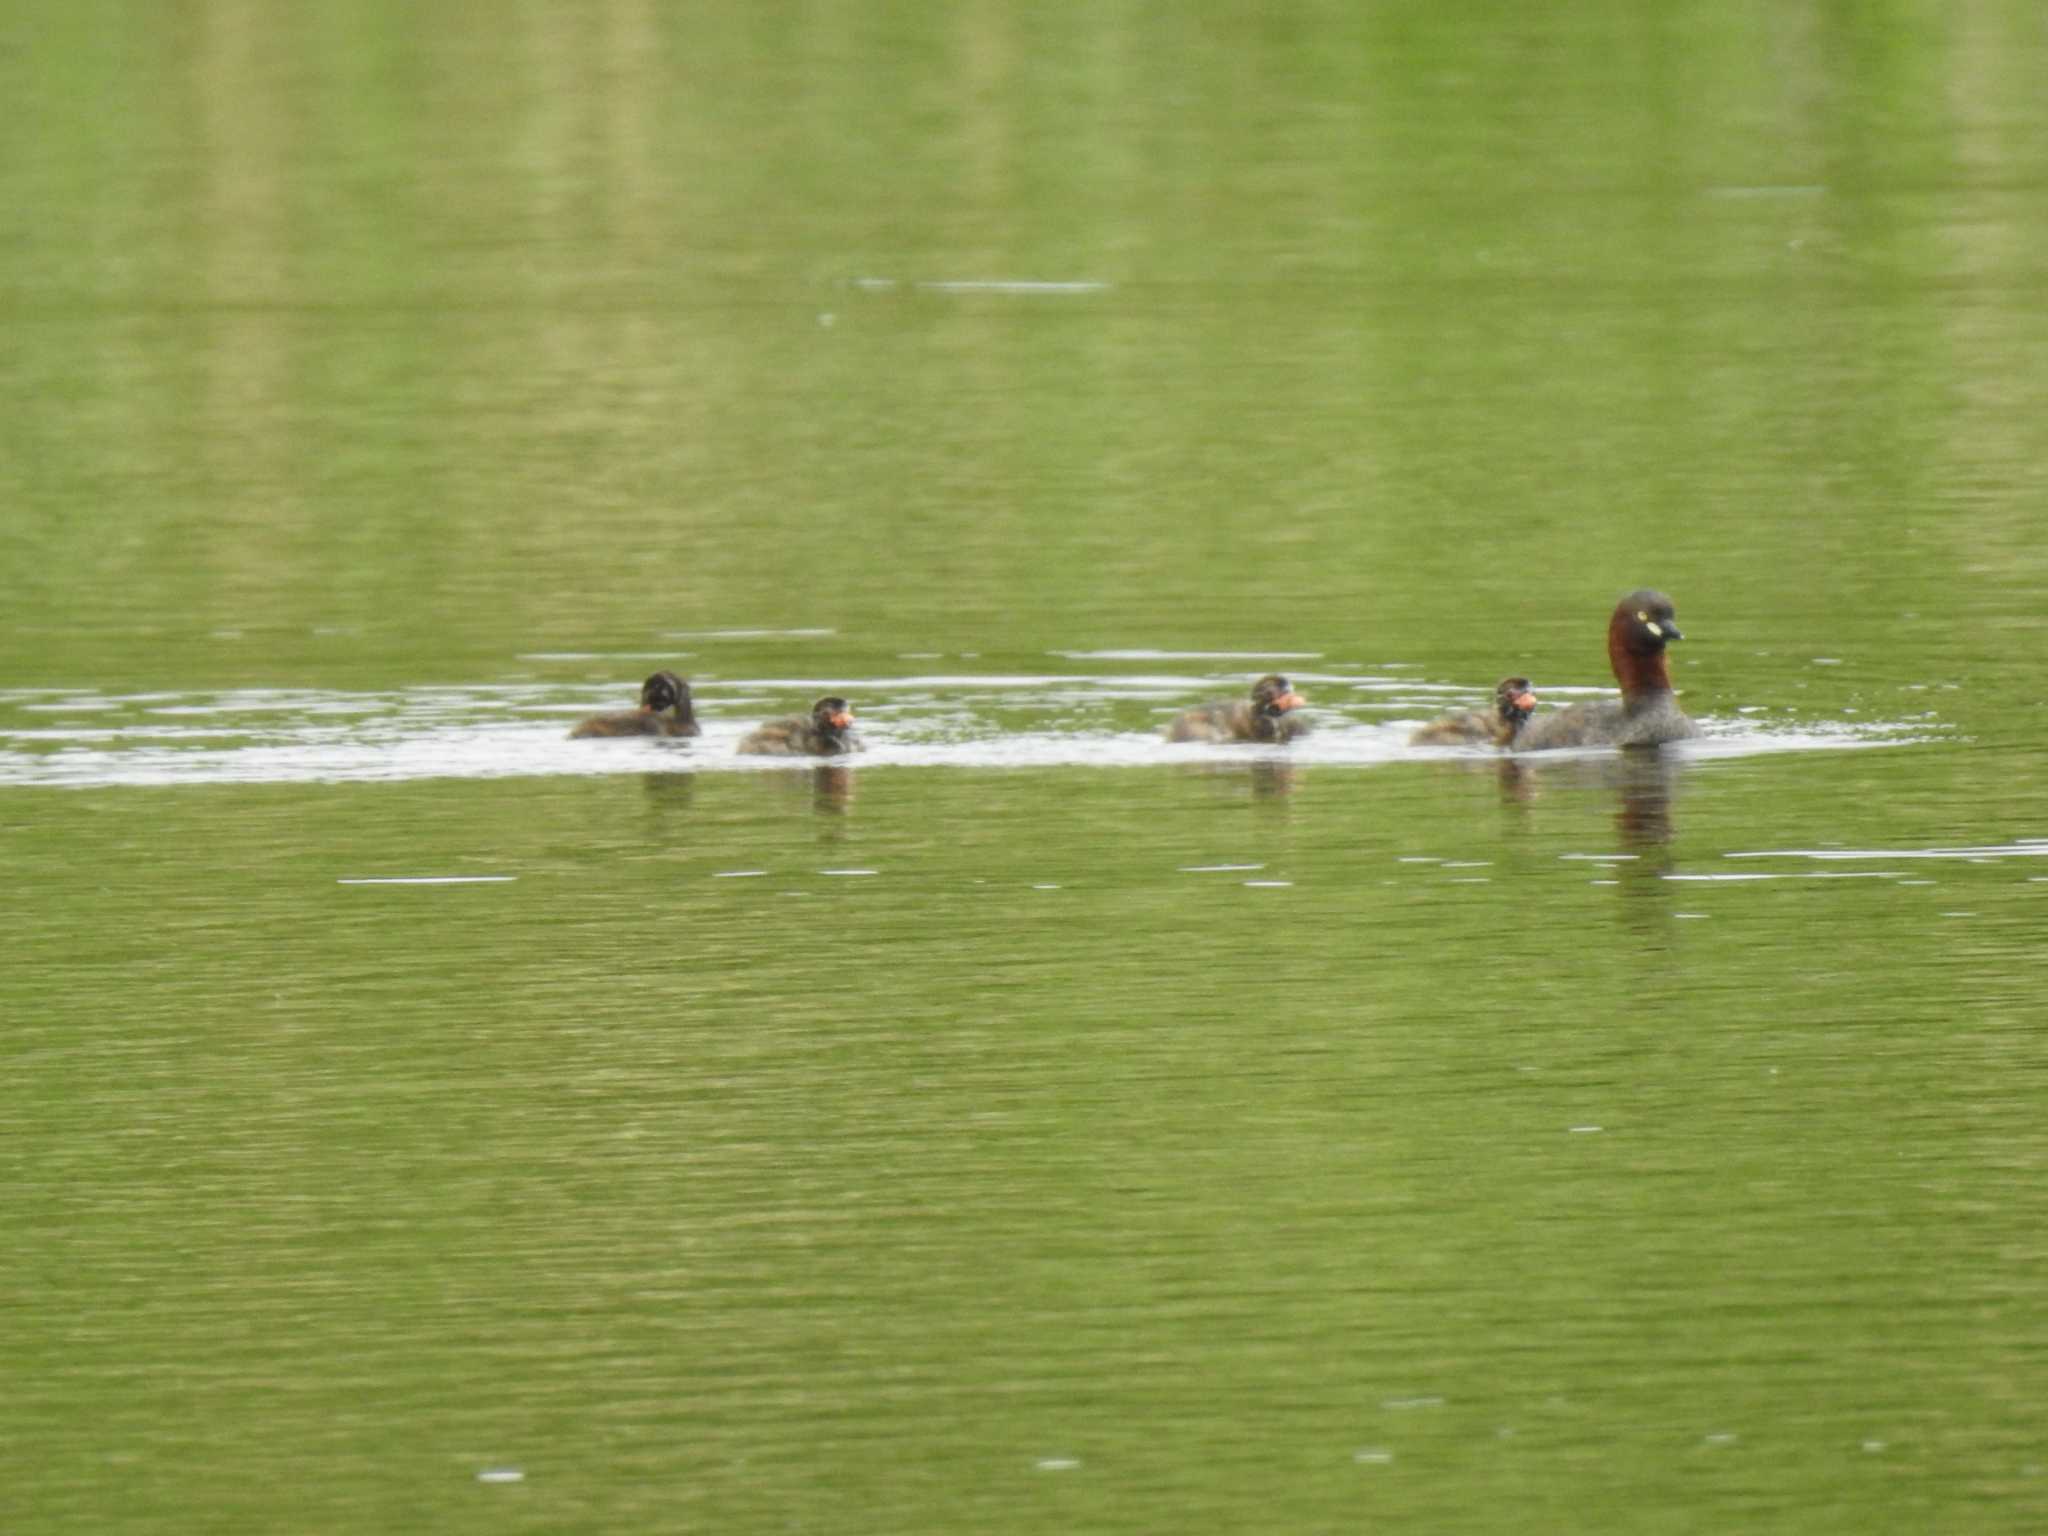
(1452, 1166)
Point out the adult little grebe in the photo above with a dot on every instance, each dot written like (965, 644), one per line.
(1647, 713)
(1262, 717)
(1497, 727)
(821, 733)
(665, 710)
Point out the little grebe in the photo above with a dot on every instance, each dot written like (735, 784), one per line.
(821, 733)
(1262, 717)
(1647, 713)
(664, 711)
(1498, 727)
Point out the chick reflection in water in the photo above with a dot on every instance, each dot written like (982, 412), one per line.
(1268, 779)
(831, 789)
(669, 791)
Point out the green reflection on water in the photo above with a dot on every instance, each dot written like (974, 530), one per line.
(358, 349)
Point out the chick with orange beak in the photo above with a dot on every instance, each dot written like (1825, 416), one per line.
(1267, 716)
(825, 732)
(1514, 700)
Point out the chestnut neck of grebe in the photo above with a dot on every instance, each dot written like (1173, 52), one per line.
(1637, 659)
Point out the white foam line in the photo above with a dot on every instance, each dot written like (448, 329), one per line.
(739, 874)
(1269, 885)
(2004, 850)
(1217, 869)
(428, 880)
(849, 871)
(746, 634)
(1145, 655)
(1011, 285)
(960, 680)
(963, 680)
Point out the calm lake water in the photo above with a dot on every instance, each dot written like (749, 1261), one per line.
(416, 1120)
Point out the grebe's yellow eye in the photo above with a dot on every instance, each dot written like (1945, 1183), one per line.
(1642, 617)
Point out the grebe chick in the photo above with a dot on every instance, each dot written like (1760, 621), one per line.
(665, 710)
(1513, 702)
(1264, 716)
(824, 732)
